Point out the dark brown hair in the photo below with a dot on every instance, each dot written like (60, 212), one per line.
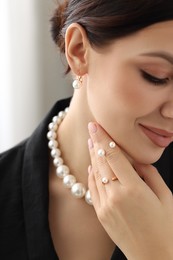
(106, 20)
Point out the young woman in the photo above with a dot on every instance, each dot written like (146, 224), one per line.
(119, 122)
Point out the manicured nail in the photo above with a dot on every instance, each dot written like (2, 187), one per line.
(92, 127)
(90, 144)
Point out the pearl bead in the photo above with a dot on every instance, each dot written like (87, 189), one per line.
(56, 120)
(53, 144)
(101, 152)
(66, 110)
(78, 190)
(105, 180)
(88, 198)
(61, 114)
(62, 171)
(51, 135)
(75, 84)
(112, 144)
(69, 181)
(55, 152)
(52, 126)
(58, 161)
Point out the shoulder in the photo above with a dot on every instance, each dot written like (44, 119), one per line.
(12, 235)
(11, 163)
(12, 158)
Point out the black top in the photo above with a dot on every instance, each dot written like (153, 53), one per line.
(24, 227)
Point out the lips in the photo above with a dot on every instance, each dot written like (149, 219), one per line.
(159, 137)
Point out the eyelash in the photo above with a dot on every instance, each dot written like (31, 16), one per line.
(155, 81)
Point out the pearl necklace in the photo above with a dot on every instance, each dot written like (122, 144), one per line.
(78, 190)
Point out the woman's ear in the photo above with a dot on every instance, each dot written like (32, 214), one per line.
(76, 49)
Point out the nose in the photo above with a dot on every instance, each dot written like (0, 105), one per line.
(167, 108)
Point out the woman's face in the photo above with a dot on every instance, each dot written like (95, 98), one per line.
(130, 91)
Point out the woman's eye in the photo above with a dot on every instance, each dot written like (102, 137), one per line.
(154, 80)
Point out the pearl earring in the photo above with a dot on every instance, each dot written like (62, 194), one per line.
(77, 83)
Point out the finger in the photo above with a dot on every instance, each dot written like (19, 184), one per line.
(106, 174)
(104, 169)
(115, 158)
(95, 171)
(93, 189)
(154, 180)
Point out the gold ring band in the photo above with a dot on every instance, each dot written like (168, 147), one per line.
(114, 178)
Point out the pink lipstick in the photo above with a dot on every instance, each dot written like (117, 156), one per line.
(159, 137)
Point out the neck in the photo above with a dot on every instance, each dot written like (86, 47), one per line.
(73, 136)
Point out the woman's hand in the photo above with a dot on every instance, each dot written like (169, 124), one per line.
(135, 207)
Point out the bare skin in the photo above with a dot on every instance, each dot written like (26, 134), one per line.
(119, 95)
(75, 229)
(137, 208)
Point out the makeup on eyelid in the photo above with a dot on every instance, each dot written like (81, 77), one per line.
(156, 72)
(158, 68)
(153, 73)
(158, 81)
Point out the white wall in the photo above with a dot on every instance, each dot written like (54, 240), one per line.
(31, 77)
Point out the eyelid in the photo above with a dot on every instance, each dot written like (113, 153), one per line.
(153, 76)
(153, 79)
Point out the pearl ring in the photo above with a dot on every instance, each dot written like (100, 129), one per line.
(105, 180)
(101, 152)
(112, 144)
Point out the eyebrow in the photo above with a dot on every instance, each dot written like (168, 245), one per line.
(164, 55)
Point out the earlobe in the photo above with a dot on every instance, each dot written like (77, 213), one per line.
(76, 46)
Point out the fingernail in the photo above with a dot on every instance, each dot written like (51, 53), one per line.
(90, 144)
(89, 169)
(92, 127)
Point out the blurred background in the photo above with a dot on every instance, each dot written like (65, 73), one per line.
(31, 68)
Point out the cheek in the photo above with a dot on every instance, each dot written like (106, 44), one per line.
(117, 100)
(113, 99)
(136, 98)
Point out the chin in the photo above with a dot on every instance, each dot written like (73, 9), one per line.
(147, 155)
(147, 158)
